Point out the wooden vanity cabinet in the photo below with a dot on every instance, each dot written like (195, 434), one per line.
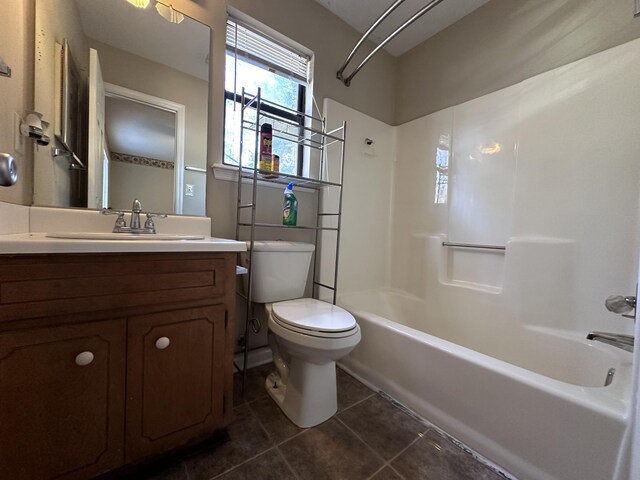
(111, 359)
(62, 400)
(175, 378)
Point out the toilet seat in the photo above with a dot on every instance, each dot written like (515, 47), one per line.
(314, 317)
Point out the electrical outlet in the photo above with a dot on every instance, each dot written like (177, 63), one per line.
(18, 139)
(189, 190)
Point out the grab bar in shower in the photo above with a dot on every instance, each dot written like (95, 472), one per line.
(473, 245)
(391, 36)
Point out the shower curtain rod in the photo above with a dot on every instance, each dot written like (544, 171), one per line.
(387, 12)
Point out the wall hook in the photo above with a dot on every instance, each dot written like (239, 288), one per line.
(35, 128)
(5, 70)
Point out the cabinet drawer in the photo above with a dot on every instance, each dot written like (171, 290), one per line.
(88, 283)
(62, 401)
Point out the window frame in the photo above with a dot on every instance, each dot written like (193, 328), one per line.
(271, 108)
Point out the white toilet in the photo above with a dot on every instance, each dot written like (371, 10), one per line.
(306, 335)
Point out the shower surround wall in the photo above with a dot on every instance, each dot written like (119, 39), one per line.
(366, 207)
(549, 169)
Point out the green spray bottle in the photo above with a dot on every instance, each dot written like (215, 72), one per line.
(290, 210)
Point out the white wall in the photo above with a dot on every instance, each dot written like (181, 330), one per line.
(560, 191)
(562, 194)
(368, 171)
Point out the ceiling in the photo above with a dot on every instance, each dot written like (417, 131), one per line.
(143, 32)
(443, 15)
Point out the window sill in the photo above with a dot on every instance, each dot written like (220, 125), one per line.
(229, 173)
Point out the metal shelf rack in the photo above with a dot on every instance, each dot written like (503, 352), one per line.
(311, 134)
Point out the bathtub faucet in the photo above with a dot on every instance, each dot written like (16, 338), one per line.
(625, 342)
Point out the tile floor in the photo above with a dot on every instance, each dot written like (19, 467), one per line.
(369, 438)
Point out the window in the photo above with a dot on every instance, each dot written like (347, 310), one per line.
(255, 61)
(442, 170)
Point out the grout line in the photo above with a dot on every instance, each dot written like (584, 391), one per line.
(255, 417)
(401, 408)
(472, 453)
(185, 468)
(388, 463)
(405, 409)
(235, 467)
(377, 472)
(357, 403)
(420, 436)
(385, 463)
(396, 472)
(264, 429)
(385, 466)
(286, 462)
(294, 436)
(360, 438)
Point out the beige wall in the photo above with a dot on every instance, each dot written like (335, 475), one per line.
(307, 23)
(500, 44)
(16, 93)
(137, 73)
(505, 42)
(55, 21)
(152, 186)
(304, 22)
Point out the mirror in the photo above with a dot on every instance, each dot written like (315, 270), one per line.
(126, 92)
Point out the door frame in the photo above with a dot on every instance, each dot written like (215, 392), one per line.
(116, 91)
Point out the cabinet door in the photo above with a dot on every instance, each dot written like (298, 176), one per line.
(62, 401)
(175, 378)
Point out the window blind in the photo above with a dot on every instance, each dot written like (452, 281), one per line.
(264, 51)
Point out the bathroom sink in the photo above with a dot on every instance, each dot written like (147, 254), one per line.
(122, 236)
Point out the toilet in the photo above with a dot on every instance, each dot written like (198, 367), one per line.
(307, 336)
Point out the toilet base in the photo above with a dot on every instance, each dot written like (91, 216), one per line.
(309, 397)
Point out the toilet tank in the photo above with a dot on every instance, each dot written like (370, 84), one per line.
(280, 270)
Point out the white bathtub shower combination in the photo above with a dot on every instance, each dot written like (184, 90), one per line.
(541, 412)
(491, 346)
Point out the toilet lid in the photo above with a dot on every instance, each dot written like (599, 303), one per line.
(312, 314)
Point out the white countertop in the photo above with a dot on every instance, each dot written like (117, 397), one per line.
(38, 243)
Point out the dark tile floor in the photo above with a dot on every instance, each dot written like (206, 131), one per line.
(369, 438)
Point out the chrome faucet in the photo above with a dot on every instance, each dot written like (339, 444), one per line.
(623, 306)
(134, 224)
(136, 208)
(625, 342)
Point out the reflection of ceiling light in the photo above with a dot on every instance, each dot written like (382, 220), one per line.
(139, 3)
(168, 13)
(490, 149)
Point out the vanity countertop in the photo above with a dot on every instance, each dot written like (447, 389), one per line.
(38, 243)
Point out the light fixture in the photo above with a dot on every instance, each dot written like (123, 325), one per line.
(139, 3)
(168, 13)
(490, 149)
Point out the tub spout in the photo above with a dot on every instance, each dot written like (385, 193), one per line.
(625, 342)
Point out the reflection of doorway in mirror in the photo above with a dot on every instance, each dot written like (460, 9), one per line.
(145, 136)
(97, 141)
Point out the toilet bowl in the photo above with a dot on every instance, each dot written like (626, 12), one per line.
(307, 336)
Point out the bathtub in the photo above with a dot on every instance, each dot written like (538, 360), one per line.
(531, 400)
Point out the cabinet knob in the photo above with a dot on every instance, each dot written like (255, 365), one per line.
(162, 343)
(84, 358)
